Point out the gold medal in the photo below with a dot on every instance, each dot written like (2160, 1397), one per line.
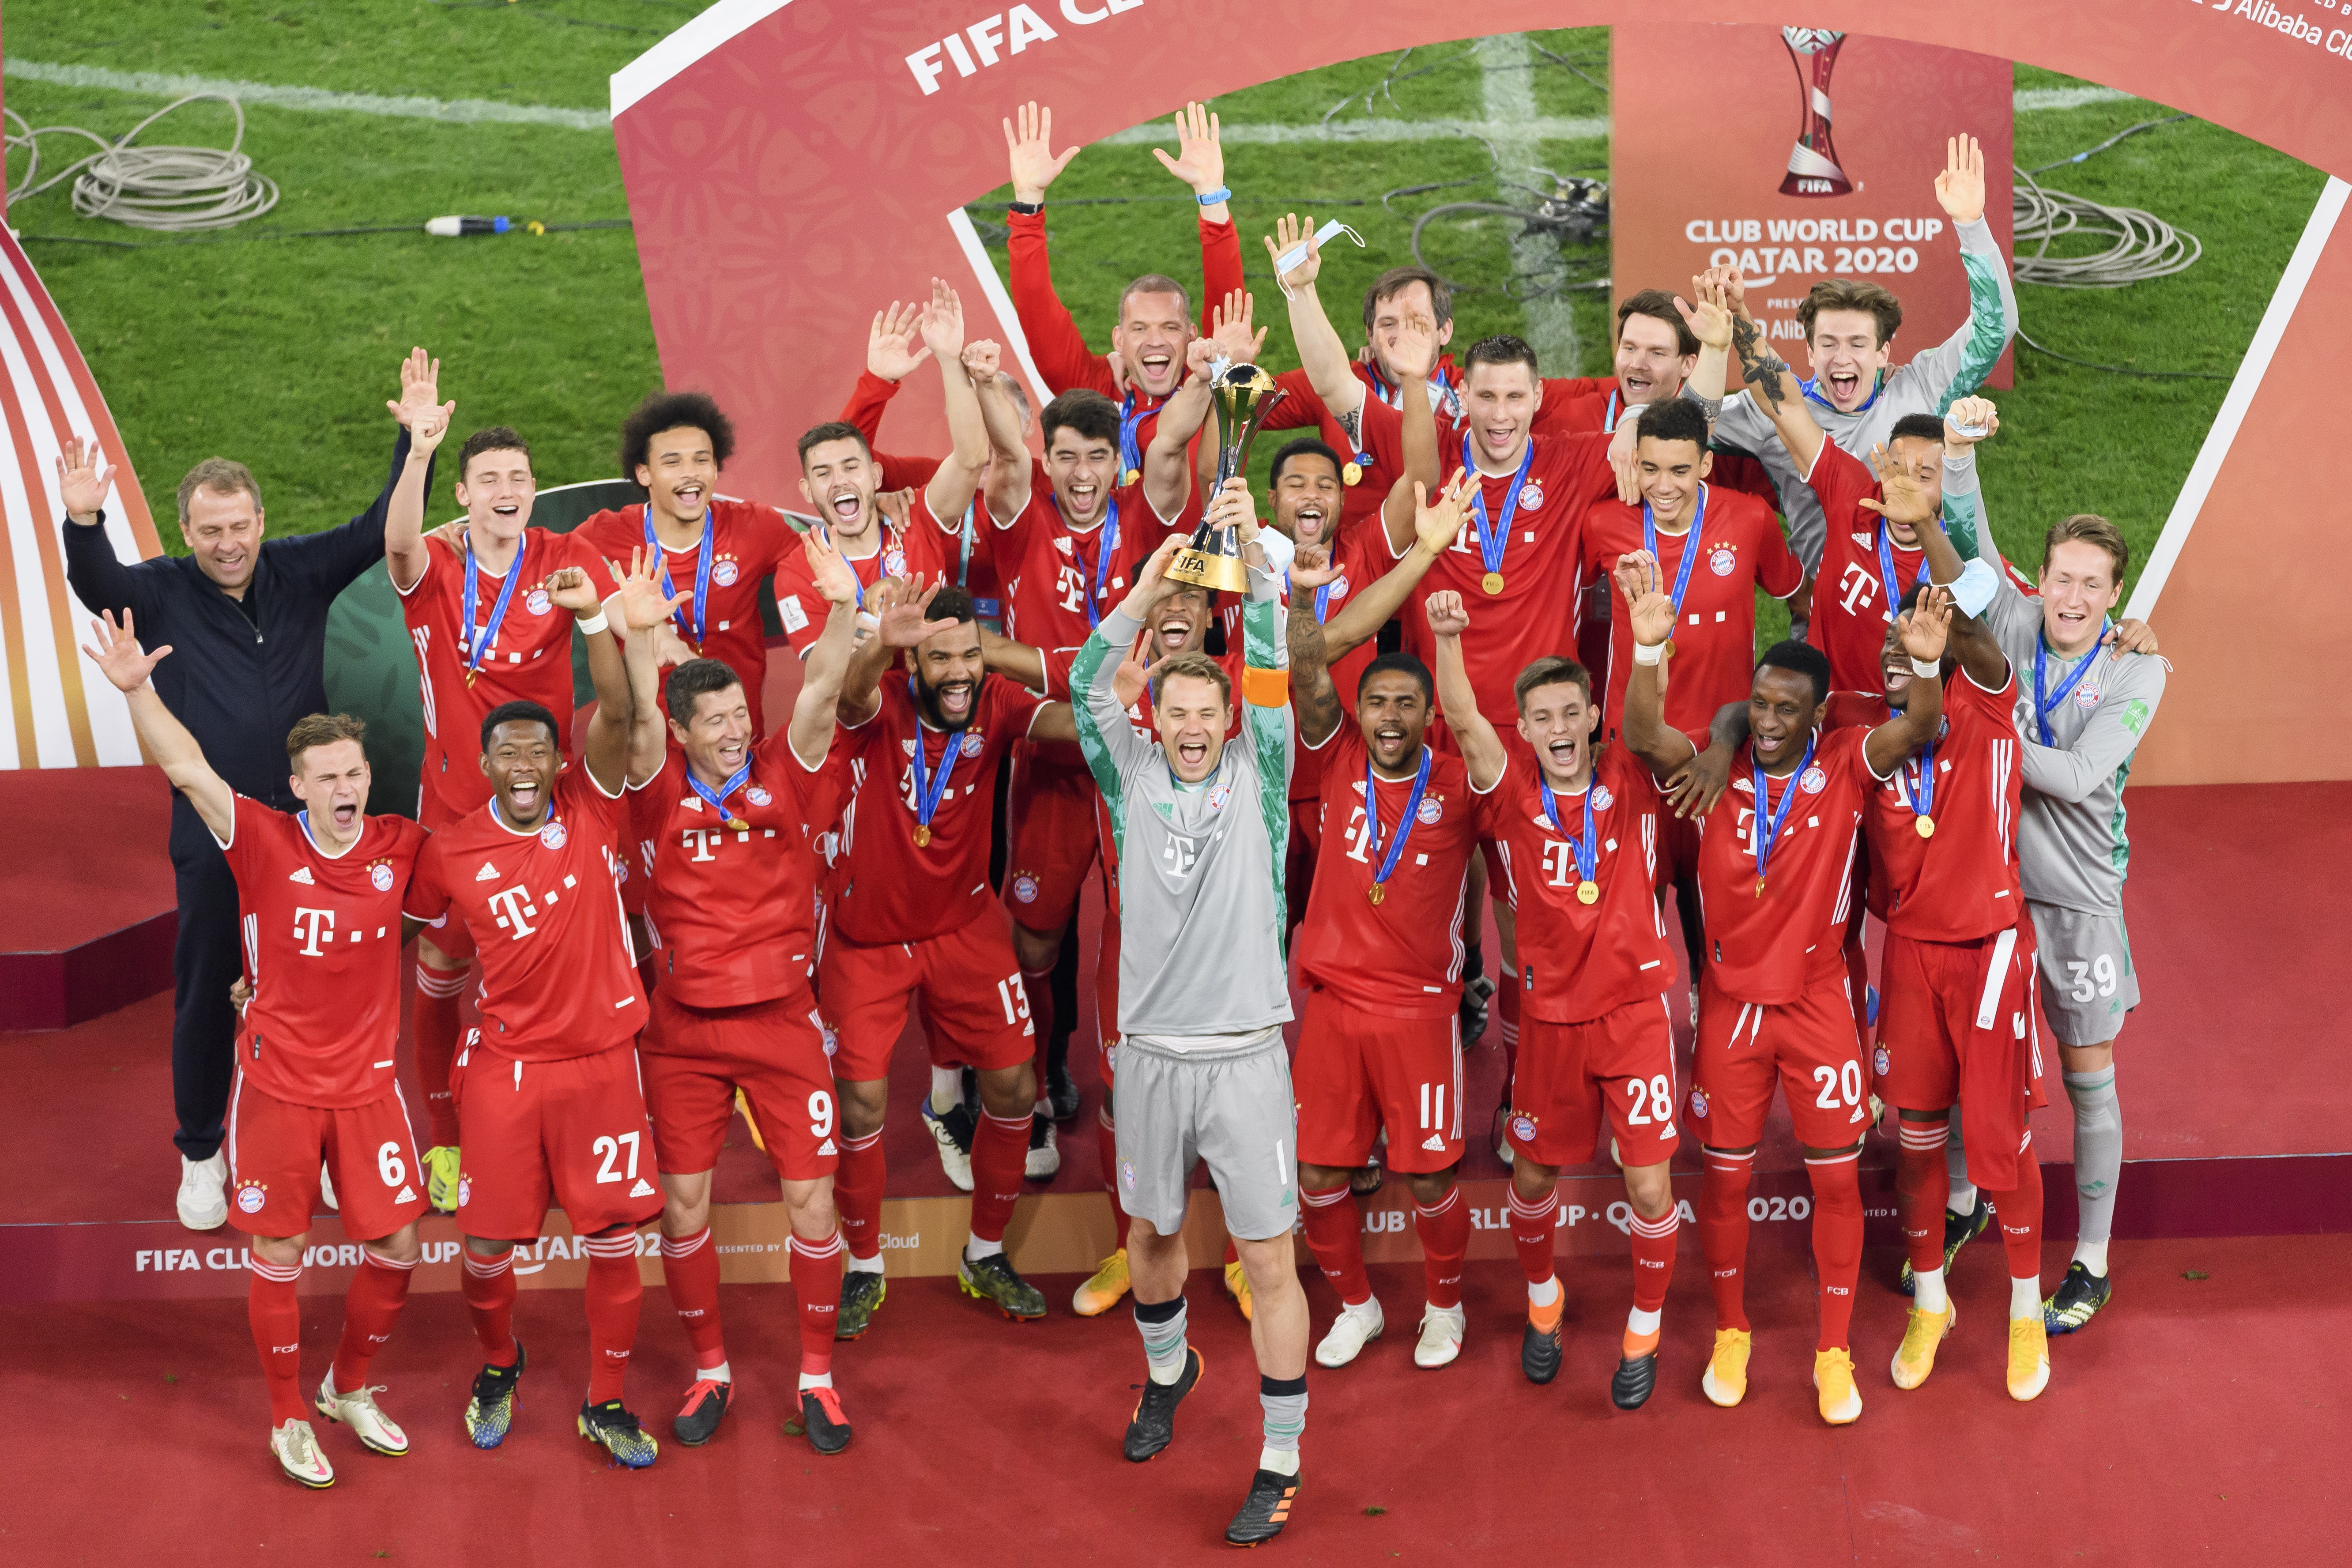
(1378, 892)
(1760, 887)
(1669, 652)
(738, 824)
(1587, 892)
(1492, 581)
(1131, 475)
(1353, 473)
(1927, 825)
(922, 835)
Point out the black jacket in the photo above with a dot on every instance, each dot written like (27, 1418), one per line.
(240, 672)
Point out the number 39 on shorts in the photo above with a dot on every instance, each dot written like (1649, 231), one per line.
(2096, 978)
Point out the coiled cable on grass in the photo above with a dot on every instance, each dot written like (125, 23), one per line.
(161, 188)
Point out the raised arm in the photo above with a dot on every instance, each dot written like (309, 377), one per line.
(1957, 366)
(1652, 617)
(1321, 355)
(1200, 163)
(1771, 384)
(119, 657)
(1482, 748)
(1313, 696)
(894, 618)
(606, 749)
(427, 422)
(97, 577)
(819, 701)
(1905, 500)
(1435, 526)
(951, 489)
(1167, 484)
(1415, 353)
(1055, 346)
(1923, 632)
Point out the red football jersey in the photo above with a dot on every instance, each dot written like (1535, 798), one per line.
(1051, 570)
(322, 943)
(1741, 547)
(895, 889)
(1767, 947)
(1543, 566)
(1578, 961)
(1961, 883)
(731, 912)
(747, 542)
(529, 661)
(1852, 607)
(1404, 955)
(544, 908)
(804, 610)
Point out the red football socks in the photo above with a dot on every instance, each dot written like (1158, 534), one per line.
(1038, 986)
(1533, 1225)
(489, 1286)
(857, 1193)
(378, 1290)
(816, 1281)
(1336, 1236)
(999, 1150)
(1507, 1003)
(1106, 1150)
(1723, 1232)
(613, 1294)
(2020, 1212)
(690, 1269)
(1920, 1184)
(276, 1313)
(435, 1023)
(1653, 1259)
(1444, 1230)
(1837, 1243)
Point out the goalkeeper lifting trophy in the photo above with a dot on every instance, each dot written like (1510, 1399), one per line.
(1245, 396)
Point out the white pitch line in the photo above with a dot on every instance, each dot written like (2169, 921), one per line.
(456, 111)
(1508, 86)
(1542, 127)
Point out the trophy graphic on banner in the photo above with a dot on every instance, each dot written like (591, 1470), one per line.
(1245, 396)
(1812, 162)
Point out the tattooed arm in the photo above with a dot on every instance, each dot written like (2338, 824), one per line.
(1770, 380)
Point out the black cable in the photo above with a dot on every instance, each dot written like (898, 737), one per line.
(2125, 369)
(2089, 151)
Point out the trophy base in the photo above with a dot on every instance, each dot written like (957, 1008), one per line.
(1202, 569)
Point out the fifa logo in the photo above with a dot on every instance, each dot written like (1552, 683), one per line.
(1812, 162)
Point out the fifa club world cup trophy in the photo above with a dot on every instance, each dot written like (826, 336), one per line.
(1812, 162)
(1243, 396)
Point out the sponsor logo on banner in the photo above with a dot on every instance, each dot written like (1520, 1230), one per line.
(998, 36)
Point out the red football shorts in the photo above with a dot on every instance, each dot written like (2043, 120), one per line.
(1054, 842)
(275, 1150)
(1808, 1046)
(1358, 1071)
(1956, 1023)
(1624, 1060)
(452, 935)
(975, 1012)
(572, 1133)
(693, 1060)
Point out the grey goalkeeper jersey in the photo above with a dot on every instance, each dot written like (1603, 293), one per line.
(2072, 847)
(1200, 903)
(1927, 385)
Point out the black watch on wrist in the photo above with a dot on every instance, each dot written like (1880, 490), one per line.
(1027, 210)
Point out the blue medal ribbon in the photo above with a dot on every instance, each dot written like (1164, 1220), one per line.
(479, 637)
(1690, 550)
(1886, 576)
(1771, 831)
(1811, 387)
(719, 800)
(693, 634)
(930, 788)
(2042, 706)
(987, 609)
(1387, 864)
(1609, 414)
(1586, 850)
(1919, 773)
(1131, 451)
(1493, 540)
(1107, 547)
(1322, 598)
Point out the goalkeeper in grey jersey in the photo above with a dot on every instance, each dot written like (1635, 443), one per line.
(1200, 828)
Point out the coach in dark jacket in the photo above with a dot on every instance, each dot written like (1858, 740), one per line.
(247, 623)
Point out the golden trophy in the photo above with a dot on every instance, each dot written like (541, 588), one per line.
(1814, 168)
(1245, 396)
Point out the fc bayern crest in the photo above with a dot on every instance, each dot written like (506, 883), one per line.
(1530, 496)
(465, 1191)
(1698, 1102)
(2086, 696)
(724, 572)
(1523, 1128)
(973, 743)
(380, 876)
(1024, 888)
(1724, 559)
(1881, 1060)
(553, 835)
(251, 1196)
(757, 796)
(1429, 813)
(538, 602)
(1339, 586)
(1219, 795)
(1127, 1175)
(1814, 780)
(893, 564)
(1601, 799)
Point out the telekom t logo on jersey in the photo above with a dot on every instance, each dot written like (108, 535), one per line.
(1557, 863)
(1072, 586)
(309, 925)
(1858, 586)
(514, 907)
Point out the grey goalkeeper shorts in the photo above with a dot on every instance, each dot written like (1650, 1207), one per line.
(2087, 981)
(1227, 1103)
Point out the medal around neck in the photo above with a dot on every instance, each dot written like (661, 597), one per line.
(1244, 394)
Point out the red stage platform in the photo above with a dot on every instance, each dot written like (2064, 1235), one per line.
(86, 920)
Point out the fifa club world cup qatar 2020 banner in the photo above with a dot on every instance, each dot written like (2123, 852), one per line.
(1828, 171)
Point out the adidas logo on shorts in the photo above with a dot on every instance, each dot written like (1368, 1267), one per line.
(1433, 1143)
(641, 1190)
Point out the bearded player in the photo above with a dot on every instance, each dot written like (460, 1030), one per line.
(730, 906)
(1775, 866)
(487, 633)
(320, 890)
(1198, 829)
(547, 1087)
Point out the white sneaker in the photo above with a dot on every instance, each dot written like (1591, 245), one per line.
(955, 1161)
(1441, 1337)
(298, 1457)
(327, 1190)
(204, 1193)
(1355, 1328)
(357, 1410)
(1045, 1160)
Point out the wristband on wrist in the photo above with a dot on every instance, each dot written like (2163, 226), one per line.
(1927, 668)
(594, 624)
(1649, 653)
(1025, 208)
(1211, 198)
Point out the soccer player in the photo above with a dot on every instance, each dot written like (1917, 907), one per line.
(1203, 996)
(322, 891)
(1774, 1003)
(547, 1088)
(2084, 704)
(1575, 825)
(1380, 952)
(1856, 392)
(479, 609)
(730, 906)
(1154, 317)
(912, 917)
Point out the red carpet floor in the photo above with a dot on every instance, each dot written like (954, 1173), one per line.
(2175, 1431)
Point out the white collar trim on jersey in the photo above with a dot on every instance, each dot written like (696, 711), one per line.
(303, 819)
